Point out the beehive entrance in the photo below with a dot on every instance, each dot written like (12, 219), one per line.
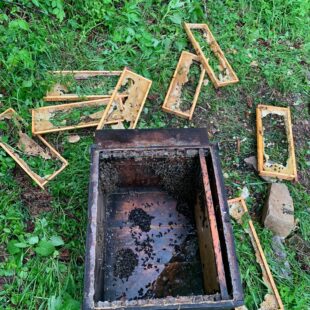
(151, 248)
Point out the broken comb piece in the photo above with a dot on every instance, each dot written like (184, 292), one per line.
(226, 74)
(173, 102)
(136, 87)
(25, 150)
(267, 163)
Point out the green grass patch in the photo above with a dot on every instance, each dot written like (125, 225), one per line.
(264, 41)
(74, 116)
(275, 139)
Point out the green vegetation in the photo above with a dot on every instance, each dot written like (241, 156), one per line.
(266, 42)
(275, 140)
(251, 273)
(188, 90)
(73, 117)
(200, 37)
(9, 134)
(96, 85)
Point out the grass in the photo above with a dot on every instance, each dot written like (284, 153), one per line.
(266, 44)
(275, 138)
(254, 287)
(73, 117)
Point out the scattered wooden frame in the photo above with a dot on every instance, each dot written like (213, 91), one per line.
(272, 300)
(57, 92)
(131, 109)
(179, 79)
(230, 73)
(41, 117)
(288, 172)
(41, 181)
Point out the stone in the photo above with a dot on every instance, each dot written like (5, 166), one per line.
(74, 138)
(278, 212)
(245, 193)
(282, 267)
(252, 162)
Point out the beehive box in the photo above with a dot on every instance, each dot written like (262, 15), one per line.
(159, 234)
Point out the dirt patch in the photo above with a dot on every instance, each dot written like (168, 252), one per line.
(5, 280)
(140, 218)
(302, 249)
(125, 263)
(3, 255)
(35, 199)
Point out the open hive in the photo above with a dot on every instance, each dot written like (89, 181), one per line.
(158, 233)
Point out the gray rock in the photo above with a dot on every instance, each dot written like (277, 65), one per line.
(252, 162)
(283, 267)
(278, 212)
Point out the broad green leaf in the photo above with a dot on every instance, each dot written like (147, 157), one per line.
(45, 248)
(12, 249)
(27, 84)
(21, 245)
(19, 23)
(33, 240)
(176, 18)
(56, 241)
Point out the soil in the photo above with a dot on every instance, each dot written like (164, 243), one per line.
(302, 249)
(3, 279)
(140, 218)
(34, 198)
(125, 263)
(3, 253)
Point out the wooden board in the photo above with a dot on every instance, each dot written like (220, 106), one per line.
(179, 79)
(206, 250)
(57, 94)
(40, 180)
(212, 225)
(276, 170)
(272, 301)
(85, 74)
(131, 108)
(41, 117)
(231, 76)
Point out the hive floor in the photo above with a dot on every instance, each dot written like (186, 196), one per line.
(171, 265)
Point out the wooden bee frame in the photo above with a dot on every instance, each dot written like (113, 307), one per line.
(79, 75)
(237, 209)
(131, 109)
(41, 181)
(41, 117)
(179, 79)
(288, 172)
(230, 73)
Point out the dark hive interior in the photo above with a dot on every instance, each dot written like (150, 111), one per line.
(149, 213)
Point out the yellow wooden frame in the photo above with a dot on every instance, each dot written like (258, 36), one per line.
(142, 87)
(288, 172)
(216, 50)
(80, 75)
(184, 64)
(41, 116)
(237, 208)
(41, 181)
